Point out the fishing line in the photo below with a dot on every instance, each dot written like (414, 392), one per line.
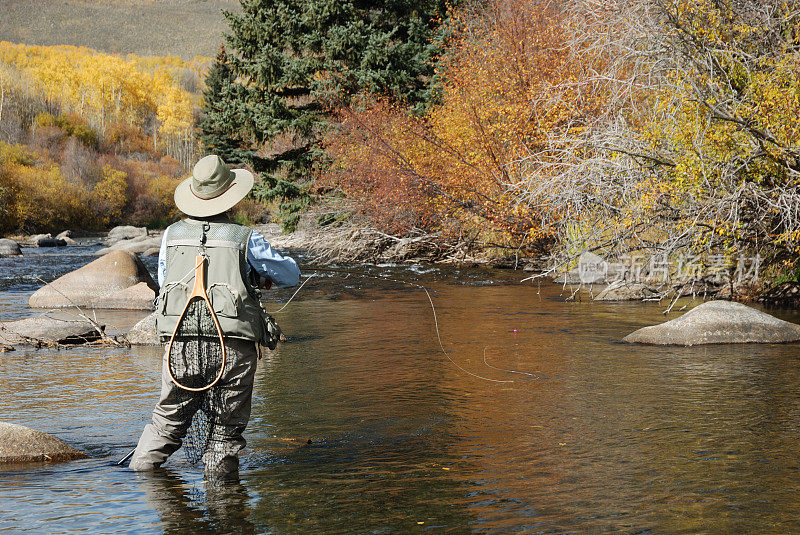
(436, 324)
(433, 310)
(294, 294)
(503, 369)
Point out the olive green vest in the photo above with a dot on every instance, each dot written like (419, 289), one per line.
(232, 297)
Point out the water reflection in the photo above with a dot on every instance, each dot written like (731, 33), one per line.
(207, 506)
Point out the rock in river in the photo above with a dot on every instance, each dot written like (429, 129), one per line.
(48, 330)
(125, 232)
(20, 444)
(106, 275)
(139, 244)
(144, 333)
(626, 291)
(66, 237)
(718, 322)
(137, 297)
(46, 240)
(9, 248)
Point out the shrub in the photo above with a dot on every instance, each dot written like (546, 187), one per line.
(72, 125)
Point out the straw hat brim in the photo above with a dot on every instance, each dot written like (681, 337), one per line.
(192, 205)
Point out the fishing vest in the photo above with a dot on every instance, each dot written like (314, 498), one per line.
(232, 297)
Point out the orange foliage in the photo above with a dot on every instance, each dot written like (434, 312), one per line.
(510, 82)
(387, 186)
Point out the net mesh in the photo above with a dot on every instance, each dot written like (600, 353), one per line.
(195, 359)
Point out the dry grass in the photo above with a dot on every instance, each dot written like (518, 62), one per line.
(185, 28)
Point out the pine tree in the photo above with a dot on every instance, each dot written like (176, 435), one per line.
(296, 59)
(220, 131)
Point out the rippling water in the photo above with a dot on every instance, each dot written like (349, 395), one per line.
(591, 436)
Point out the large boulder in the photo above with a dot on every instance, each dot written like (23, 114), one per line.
(718, 322)
(9, 247)
(125, 232)
(137, 297)
(106, 275)
(144, 333)
(20, 444)
(48, 330)
(626, 291)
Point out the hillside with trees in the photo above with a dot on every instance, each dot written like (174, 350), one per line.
(90, 140)
(183, 28)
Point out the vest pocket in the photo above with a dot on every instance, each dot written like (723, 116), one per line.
(173, 300)
(225, 300)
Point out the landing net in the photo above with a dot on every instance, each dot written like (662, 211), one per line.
(195, 360)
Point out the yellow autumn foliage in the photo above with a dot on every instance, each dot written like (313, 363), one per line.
(105, 88)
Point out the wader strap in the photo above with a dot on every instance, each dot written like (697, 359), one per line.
(209, 243)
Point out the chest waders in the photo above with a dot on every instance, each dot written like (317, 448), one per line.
(205, 408)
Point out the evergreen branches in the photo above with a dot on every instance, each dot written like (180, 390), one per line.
(269, 102)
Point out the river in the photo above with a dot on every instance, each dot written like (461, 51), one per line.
(590, 436)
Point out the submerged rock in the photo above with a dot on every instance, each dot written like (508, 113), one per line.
(106, 275)
(137, 297)
(9, 247)
(20, 444)
(144, 333)
(718, 322)
(45, 329)
(626, 291)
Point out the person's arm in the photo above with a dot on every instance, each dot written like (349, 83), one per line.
(162, 260)
(268, 263)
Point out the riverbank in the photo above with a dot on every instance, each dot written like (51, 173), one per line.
(354, 242)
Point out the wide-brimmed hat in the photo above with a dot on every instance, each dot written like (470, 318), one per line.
(212, 188)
